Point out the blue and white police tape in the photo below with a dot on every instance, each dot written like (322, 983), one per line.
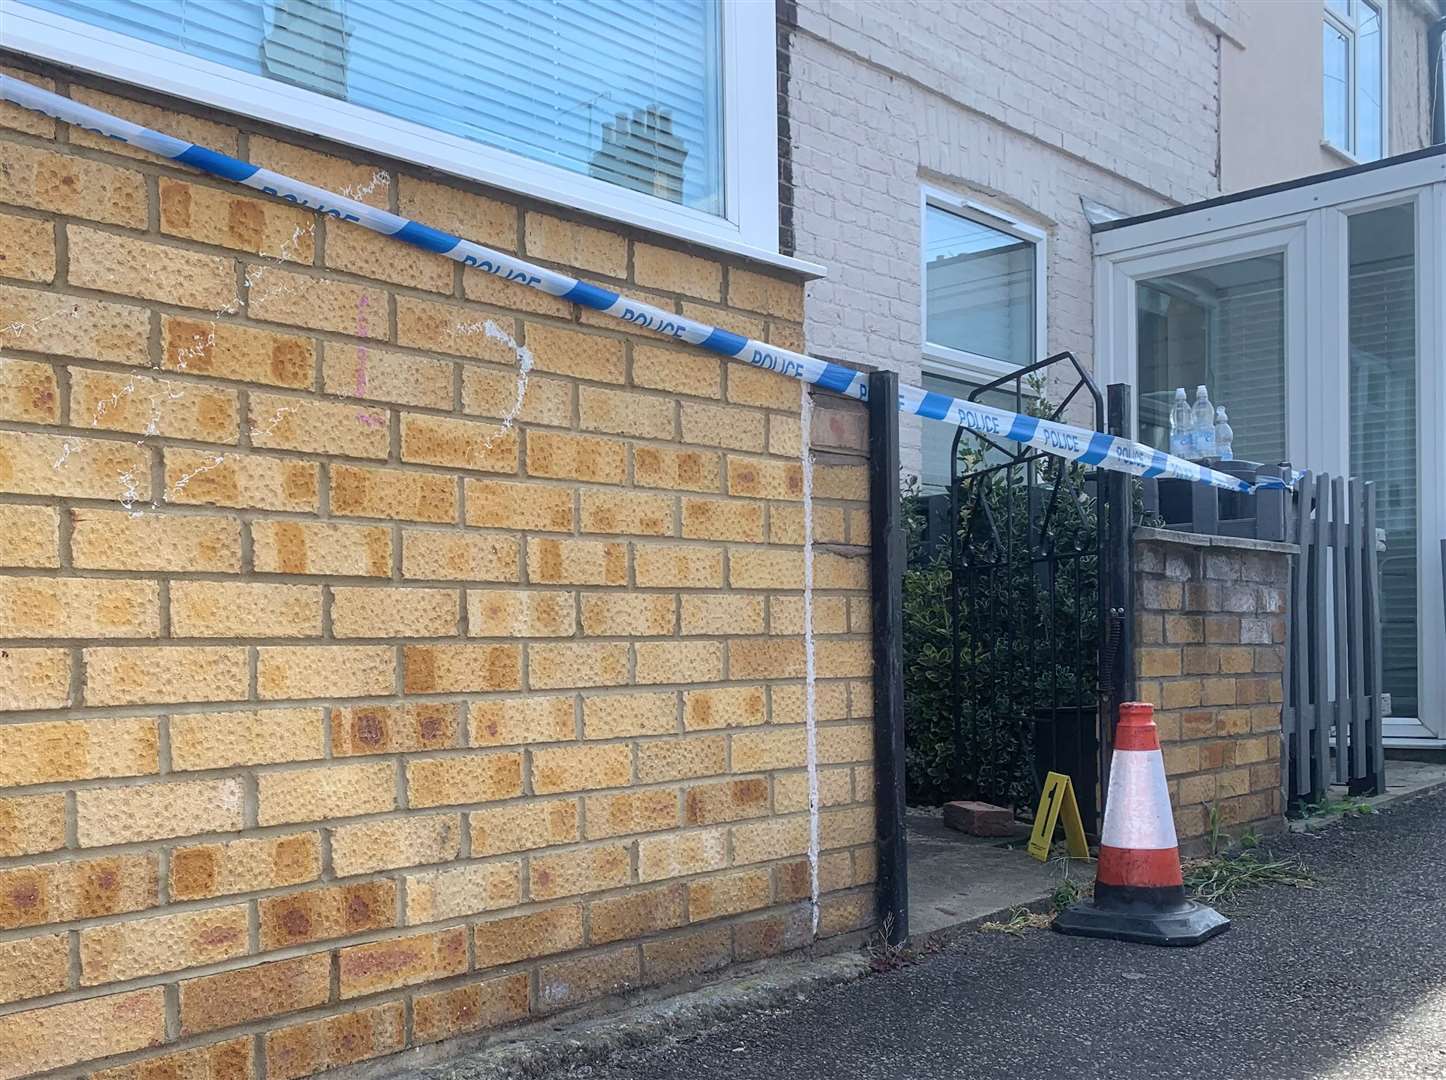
(1062, 440)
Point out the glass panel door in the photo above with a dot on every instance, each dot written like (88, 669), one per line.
(1383, 377)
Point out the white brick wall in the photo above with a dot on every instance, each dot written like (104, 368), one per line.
(1027, 105)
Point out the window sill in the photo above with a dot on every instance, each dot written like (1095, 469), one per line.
(1345, 156)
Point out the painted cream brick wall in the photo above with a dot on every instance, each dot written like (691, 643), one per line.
(337, 716)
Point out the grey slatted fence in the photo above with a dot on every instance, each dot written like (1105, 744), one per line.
(1333, 661)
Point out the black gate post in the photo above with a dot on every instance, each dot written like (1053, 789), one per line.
(886, 568)
(1117, 638)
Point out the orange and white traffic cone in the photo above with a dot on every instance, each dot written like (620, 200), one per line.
(1139, 890)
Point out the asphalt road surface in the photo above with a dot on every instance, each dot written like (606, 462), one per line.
(1345, 980)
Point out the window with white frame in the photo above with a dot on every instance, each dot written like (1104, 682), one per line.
(1354, 78)
(633, 107)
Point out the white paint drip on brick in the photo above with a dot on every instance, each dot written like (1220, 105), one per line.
(524, 369)
(810, 722)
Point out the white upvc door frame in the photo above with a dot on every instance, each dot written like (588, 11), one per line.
(1311, 227)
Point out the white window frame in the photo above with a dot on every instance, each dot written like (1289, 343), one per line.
(1348, 30)
(959, 363)
(750, 143)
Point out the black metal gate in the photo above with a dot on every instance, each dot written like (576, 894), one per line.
(1028, 614)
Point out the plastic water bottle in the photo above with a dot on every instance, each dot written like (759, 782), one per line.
(1180, 445)
(1202, 426)
(1224, 435)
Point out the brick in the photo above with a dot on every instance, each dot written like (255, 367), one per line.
(500, 504)
(576, 562)
(29, 392)
(525, 937)
(575, 245)
(393, 613)
(677, 372)
(458, 444)
(469, 1008)
(764, 479)
(41, 1039)
(317, 303)
(69, 466)
(771, 935)
(842, 914)
(830, 702)
(77, 889)
(593, 357)
(386, 845)
(771, 296)
(17, 118)
(331, 791)
(662, 268)
(220, 217)
(46, 321)
(765, 841)
(116, 540)
(583, 871)
(728, 894)
(728, 318)
(48, 752)
(790, 792)
(169, 674)
(1200, 659)
(1217, 755)
(463, 778)
(622, 412)
(722, 425)
(182, 125)
(324, 671)
(523, 826)
(384, 729)
(29, 536)
(494, 393)
(443, 206)
(678, 662)
(30, 824)
(688, 954)
(254, 993)
(1233, 721)
(452, 329)
(226, 609)
(630, 812)
(637, 914)
(841, 482)
(785, 615)
(775, 659)
(734, 706)
(1217, 691)
(576, 457)
(757, 386)
(149, 271)
(581, 768)
(766, 568)
(1180, 694)
(315, 547)
(617, 716)
(304, 1049)
(1150, 662)
(353, 179)
(449, 556)
(554, 667)
(126, 815)
(631, 513)
(723, 519)
(731, 800)
(509, 721)
(358, 491)
(756, 751)
(129, 950)
(677, 759)
(227, 1060)
(683, 470)
(244, 481)
(356, 250)
(454, 669)
(571, 982)
(503, 613)
(678, 566)
(66, 184)
(318, 427)
(33, 967)
(380, 375)
(234, 352)
(236, 866)
(462, 890)
(78, 608)
(627, 614)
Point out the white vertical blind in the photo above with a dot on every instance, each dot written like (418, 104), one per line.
(628, 91)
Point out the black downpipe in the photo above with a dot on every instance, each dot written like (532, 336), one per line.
(886, 568)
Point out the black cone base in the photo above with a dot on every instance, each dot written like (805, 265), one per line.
(1187, 923)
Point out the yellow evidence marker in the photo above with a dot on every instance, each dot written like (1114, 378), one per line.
(1056, 799)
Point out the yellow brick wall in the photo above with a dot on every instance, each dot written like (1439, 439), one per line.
(1210, 625)
(335, 715)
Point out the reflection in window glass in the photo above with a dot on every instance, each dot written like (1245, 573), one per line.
(1223, 326)
(979, 288)
(1340, 7)
(1382, 283)
(628, 91)
(1368, 83)
(1337, 92)
(939, 437)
